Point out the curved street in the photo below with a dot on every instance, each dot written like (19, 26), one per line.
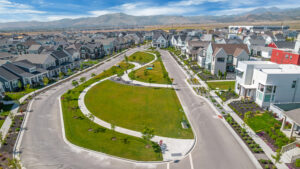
(43, 146)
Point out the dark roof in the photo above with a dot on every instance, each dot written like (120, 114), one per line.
(285, 44)
(16, 70)
(230, 48)
(7, 75)
(24, 64)
(59, 54)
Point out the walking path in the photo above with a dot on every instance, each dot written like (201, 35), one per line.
(268, 151)
(172, 149)
(125, 77)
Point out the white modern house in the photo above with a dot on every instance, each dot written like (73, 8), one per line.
(267, 82)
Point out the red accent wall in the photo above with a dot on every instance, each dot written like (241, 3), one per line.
(279, 56)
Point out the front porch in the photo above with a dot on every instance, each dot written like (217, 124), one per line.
(294, 117)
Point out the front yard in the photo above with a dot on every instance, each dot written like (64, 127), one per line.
(136, 107)
(261, 122)
(83, 132)
(221, 85)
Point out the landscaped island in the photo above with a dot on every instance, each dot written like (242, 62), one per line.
(136, 107)
(154, 73)
(83, 132)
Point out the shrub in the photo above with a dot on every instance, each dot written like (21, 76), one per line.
(263, 161)
(267, 166)
(297, 163)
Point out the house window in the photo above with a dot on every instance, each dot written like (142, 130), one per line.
(261, 87)
(269, 89)
(221, 59)
(274, 89)
(267, 98)
(291, 57)
(286, 56)
(294, 84)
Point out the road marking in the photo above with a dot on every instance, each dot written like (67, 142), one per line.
(191, 161)
(168, 165)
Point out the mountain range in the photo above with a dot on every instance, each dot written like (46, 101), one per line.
(121, 20)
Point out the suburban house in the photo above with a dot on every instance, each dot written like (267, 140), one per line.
(287, 55)
(196, 51)
(266, 82)
(160, 40)
(265, 52)
(35, 49)
(225, 57)
(92, 51)
(44, 61)
(8, 80)
(63, 60)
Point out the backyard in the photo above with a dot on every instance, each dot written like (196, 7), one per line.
(141, 57)
(221, 85)
(135, 108)
(83, 132)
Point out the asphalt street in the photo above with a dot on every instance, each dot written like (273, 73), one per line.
(43, 147)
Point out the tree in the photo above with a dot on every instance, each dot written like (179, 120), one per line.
(74, 83)
(146, 72)
(45, 81)
(19, 84)
(81, 66)
(148, 134)
(225, 75)
(220, 74)
(92, 118)
(82, 79)
(69, 72)
(126, 58)
(93, 75)
(61, 75)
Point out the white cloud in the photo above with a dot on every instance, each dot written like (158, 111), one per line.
(7, 7)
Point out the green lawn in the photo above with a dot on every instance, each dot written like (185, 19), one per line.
(141, 57)
(223, 85)
(100, 139)
(136, 107)
(18, 95)
(157, 75)
(6, 110)
(262, 122)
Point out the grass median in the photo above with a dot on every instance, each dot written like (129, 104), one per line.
(83, 132)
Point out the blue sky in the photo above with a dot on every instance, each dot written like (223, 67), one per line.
(48, 10)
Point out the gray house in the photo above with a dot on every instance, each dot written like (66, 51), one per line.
(9, 80)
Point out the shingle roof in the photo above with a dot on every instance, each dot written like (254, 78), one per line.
(285, 45)
(59, 54)
(16, 70)
(35, 58)
(230, 48)
(7, 75)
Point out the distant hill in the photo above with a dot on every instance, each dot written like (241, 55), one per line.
(123, 20)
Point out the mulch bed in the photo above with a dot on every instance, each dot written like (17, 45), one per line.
(226, 95)
(241, 107)
(267, 164)
(251, 144)
(269, 141)
(7, 148)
